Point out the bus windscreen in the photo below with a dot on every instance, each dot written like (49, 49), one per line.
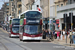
(32, 29)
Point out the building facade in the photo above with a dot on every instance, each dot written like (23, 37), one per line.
(1, 16)
(35, 4)
(24, 5)
(19, 7)
(45, 6)
(15, 7)
(65, 7)
(5, 9)
(27, 5)
(11, 8)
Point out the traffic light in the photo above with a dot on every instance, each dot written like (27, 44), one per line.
(65, 18)
(46, 23)
(70, 15)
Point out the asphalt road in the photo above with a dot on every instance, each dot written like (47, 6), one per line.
(7, 43)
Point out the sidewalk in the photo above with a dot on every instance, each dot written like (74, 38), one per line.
(3, 30)
(63, 42)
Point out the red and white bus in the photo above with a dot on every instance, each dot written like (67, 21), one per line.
(30, 25)
(14, 28)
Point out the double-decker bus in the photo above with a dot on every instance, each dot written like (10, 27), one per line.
(30, 25)
(14, 27)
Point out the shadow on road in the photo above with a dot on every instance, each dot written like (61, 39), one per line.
(36, 41)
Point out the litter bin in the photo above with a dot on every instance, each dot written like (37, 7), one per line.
(74, 39)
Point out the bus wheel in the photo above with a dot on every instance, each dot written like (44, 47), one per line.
(21, 40)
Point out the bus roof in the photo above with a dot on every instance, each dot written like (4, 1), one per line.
(29, 10)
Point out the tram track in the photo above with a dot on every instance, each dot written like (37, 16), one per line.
(9, 41)
(21, 46)
(4, 46)
(12, 42)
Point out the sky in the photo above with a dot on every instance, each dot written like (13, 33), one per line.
(2, 2)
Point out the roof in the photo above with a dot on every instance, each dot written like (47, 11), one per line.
(30, 10)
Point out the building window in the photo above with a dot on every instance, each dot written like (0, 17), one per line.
(7, 4)
(19, 0)
(7, 8)
(19, 5)
(61, 4)
(12, 9)
(11, 0)
(7, 11)
(12, 4)
(57, 5)
(19, 11)
(13, 14)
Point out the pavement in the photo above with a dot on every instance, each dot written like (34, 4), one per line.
(55, 41)
(3, 30)
(62, 42)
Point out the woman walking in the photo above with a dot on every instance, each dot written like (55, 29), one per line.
(73, 36)
(63, 34)
(58, 35)
(55, 34)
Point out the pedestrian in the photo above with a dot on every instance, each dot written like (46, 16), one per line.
(44, 34)
(58, 35)
(50, 34)
(55, 34)
(71, 39)
(73, 36)
(68, 33)
(63, 34)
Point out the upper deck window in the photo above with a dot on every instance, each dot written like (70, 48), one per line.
(33, 14)
(15, 20)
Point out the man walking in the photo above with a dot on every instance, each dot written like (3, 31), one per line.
(71, 39)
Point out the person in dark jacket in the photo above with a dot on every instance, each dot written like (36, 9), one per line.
(50, 35)
(44, 34)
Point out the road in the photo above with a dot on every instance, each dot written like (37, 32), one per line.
(7, 43)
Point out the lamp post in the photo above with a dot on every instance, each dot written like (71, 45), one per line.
(71, 21)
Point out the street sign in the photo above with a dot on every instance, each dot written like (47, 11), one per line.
(65, 27)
